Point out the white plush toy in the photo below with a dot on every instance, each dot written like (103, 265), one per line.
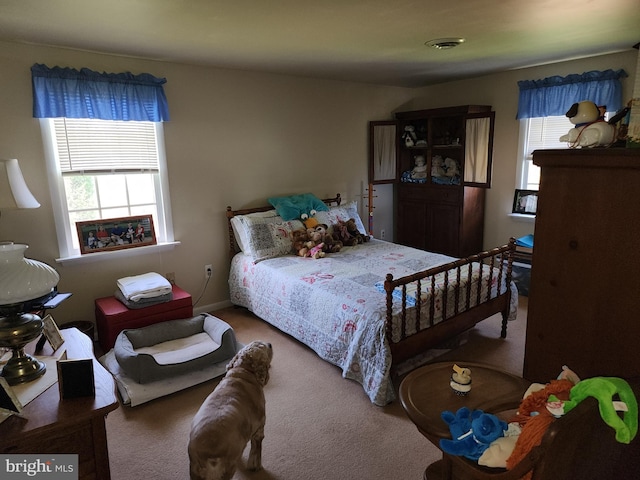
(590, 129)
(420, 169)
(437, 166)
(451, 167)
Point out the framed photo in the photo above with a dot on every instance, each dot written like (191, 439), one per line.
(52, 333)
(9, 403)
(115, 233)
(525, 202)
(75, 378)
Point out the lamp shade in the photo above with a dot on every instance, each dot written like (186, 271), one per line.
(14, 192)
(23, 279)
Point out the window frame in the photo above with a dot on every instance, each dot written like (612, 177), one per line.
(65, 234)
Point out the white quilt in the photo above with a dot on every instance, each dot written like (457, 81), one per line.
(333, 305)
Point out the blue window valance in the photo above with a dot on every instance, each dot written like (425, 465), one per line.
(553, 96)
(71, 93)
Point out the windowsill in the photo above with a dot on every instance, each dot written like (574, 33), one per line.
(521, 217)
(124, 253)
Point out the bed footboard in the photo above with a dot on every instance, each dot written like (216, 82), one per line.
(446, 300)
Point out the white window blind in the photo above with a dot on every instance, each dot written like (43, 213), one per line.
(544, 133)
(105, 146)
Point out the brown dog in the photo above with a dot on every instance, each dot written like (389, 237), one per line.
(230, 416)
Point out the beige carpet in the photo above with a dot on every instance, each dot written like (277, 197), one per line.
(319, 425)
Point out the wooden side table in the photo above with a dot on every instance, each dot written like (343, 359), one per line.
(67, 426)
(425, 394)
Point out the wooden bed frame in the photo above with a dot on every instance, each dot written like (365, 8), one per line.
(498, 261)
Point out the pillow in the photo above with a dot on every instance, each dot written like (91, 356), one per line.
(342, 213)
(269, 240)
(293, 206)
(242, 223)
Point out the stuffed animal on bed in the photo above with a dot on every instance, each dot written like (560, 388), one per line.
(342, 234)
(321, 235)
(304, 246)
(354, 232)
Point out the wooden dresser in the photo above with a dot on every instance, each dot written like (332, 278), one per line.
(67, 426)
(585, 279)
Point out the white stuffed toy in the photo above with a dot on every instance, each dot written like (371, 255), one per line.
(590, 129)
(420, 169)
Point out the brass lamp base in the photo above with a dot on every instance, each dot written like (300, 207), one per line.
(16, 331)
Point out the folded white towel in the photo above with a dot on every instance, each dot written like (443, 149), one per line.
(147, 285)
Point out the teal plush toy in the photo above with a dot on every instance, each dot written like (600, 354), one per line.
(297, 207)
(604, 389)
(471, 432)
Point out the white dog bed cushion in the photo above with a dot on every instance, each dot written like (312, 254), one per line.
(174, 347)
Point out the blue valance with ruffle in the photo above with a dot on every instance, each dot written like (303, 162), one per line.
(71, 93)
(553, 96)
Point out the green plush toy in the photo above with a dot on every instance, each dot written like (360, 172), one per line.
(603, 389)
(294, 207)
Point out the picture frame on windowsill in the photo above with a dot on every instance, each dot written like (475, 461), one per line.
(104, 235)
(525, 202)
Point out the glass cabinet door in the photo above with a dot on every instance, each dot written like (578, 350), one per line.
(478, 151)
(382, 152)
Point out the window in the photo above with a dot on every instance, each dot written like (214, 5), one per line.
(541, 107)
(536, 134)
(539, 133)
(104, 169)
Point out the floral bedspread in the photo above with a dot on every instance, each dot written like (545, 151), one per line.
(333, 305)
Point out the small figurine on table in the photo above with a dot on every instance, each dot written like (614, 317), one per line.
(460, 380)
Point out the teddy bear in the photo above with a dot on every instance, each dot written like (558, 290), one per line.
(451, 167)
(342, 234)
(304, 246)
(321, 235)
(354, 232)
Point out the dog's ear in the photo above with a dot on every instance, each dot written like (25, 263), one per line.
(259, 365)
(234, 362)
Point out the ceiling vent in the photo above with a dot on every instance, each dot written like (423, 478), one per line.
(444, 43)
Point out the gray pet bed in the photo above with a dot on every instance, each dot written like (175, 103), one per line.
(174, 347)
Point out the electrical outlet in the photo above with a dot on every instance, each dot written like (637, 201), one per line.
(208, 271)
(382, 234)
(171, 276)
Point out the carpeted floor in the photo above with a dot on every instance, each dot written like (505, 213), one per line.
(319, 425)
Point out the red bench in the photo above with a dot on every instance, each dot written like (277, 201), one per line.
(112, 316)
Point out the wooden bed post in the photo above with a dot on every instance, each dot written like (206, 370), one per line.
(505, 312)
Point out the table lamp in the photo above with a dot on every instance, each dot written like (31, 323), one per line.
(21, 281)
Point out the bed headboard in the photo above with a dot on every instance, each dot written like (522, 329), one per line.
(233, 245)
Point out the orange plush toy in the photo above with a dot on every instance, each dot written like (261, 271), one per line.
(534, 418)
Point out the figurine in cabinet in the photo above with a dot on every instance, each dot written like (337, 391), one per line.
(409, 136)
(420, 169)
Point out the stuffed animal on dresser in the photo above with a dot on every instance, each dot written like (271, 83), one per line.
(590, 127)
